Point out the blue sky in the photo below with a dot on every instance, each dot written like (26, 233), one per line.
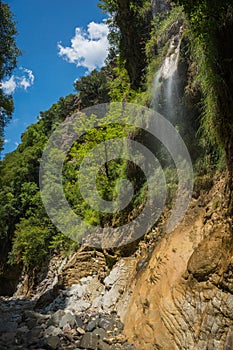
(60, 41)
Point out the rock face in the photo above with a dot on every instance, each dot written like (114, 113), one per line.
(183, 299)
(83, 263)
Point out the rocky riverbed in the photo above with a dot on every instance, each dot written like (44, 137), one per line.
(84, 316)
(22, 327)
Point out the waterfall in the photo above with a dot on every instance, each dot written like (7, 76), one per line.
(166, 80)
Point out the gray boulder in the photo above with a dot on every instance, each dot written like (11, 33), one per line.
(89, 341)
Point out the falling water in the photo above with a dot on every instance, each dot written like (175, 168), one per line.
(167, 96)
(165, 80)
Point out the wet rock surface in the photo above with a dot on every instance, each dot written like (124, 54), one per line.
(21, 327)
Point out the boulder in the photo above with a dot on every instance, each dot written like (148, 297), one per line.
(91, 326)
(67, 318)
(52, 331)
(56, 318)
(89, 341)
(52, 342)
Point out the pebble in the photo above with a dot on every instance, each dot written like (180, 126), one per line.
(91, 326)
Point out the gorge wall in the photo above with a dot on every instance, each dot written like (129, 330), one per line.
(183, 299)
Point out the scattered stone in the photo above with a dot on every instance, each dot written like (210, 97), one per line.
(67, 328)
(119, 326)
(89, 341)
(100, 332)
(31, 322)
(81, 305)
(52, 331)
(91, 326)
(67, 318)
(79, 322)
(109, 340)
(103, 346)
(33, 335)
(56, 318)
(52, 342)
(68, 322)
(106, 324)
(80, 331)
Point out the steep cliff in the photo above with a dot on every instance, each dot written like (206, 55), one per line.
(183, 299)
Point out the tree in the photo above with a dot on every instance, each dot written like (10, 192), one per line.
(133, 19)
(8, 60)
(94, 88)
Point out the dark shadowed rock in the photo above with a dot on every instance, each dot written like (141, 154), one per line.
(89, 341)
(103, 346)
(106, 324)
(8, 338)
(52, 342)
(100, 332)
(79, 322)
(33, 335)
(31, 323)
(47, 298)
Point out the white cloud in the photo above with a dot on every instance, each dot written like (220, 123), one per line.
(88, 49)
(9, 85)
(25, 81)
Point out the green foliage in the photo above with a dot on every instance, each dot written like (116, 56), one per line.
(60, 242)
(22, 214)
(94, 88)
(59, 111)
(107, 175)
(9, 50)
(120, 89)
(108, 6)
(211, 26)
(8, 61)
(30, 244)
